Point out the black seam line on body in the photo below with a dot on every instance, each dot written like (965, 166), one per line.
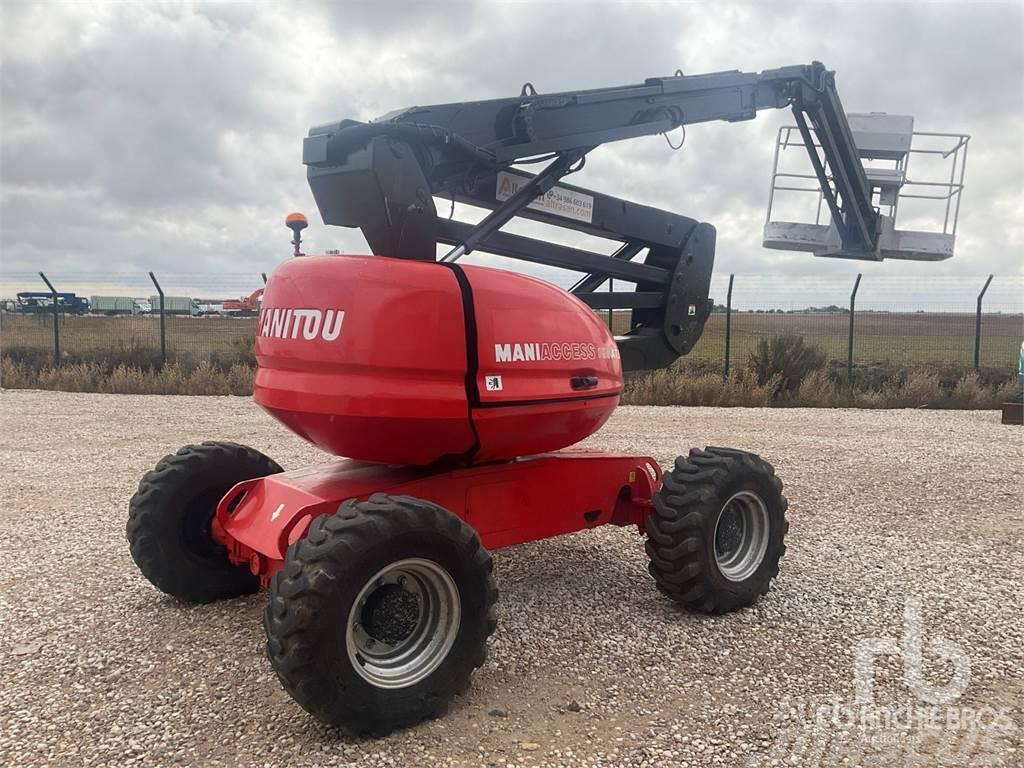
(472, 355)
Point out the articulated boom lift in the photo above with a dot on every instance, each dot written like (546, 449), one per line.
(455, 389)
(382, 177)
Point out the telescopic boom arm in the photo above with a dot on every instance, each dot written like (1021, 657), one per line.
(382, 177)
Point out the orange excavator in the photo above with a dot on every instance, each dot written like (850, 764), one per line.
(247, 305)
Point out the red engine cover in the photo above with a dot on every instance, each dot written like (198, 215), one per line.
(407, 362)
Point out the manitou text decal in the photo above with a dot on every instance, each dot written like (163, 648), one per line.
(543, 351)
(279, 323)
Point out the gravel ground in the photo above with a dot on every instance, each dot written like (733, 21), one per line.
(589, 665)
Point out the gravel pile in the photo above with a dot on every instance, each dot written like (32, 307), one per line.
(590, 666)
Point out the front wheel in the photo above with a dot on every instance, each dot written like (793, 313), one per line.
(169, 521)
(715, 536)
(381, 613)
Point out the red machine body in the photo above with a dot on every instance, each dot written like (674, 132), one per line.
(507, 502)
(410, 362)
(443, 382)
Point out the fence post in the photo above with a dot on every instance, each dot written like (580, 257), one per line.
(163, 326)
(977, 326)
(611, 311)
(264, 276)
(849, 341)
(728, 326)
(56, 319)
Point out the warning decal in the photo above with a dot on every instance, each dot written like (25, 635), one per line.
(558, 200)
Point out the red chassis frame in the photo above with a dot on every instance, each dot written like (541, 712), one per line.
(530, 498)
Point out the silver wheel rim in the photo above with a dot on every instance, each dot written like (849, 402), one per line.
(403, 623)
(741, 536)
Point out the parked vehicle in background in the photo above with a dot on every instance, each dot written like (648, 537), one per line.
(210, 307)
(42, 301)
(175, 305)
(113, 305)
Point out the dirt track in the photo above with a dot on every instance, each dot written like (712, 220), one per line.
(98, 668)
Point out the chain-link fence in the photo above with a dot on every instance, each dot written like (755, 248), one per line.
(206, 317)
(895, 319)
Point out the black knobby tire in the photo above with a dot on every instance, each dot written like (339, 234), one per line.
(169, 521)
(314, 596)
(703, 489)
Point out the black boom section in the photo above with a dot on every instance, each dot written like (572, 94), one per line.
(542, 252)
(383, 177)
(608, 216)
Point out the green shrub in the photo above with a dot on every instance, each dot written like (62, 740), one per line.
(786, 359)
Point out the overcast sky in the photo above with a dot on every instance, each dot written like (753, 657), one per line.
(167, 136)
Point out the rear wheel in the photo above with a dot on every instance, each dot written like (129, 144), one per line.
(169, 521)
(381, 613)
(715, 536)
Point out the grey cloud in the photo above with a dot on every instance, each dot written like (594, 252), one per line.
(143, 136)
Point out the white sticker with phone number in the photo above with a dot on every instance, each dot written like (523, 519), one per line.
(557, 200)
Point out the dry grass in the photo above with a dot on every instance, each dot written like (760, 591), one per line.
(912, 388)
(690, 384)
(173, 379)
(675, 387)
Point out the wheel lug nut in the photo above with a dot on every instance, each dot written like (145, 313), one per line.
(401, 581)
